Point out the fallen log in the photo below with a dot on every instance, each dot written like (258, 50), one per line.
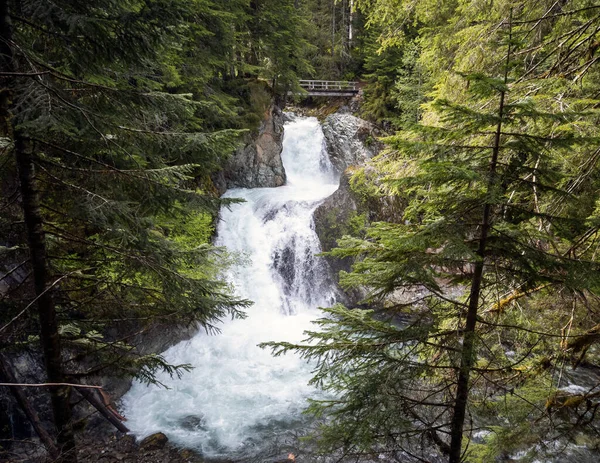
(105, 411)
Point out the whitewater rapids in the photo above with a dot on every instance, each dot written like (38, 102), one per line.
(239, 401)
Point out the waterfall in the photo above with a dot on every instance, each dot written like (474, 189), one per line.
(239, 401)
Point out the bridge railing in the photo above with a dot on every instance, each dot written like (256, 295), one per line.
(329, 85)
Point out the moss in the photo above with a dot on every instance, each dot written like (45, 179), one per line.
(335, 224)
(253, 98)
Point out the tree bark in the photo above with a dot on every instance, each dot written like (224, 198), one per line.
(30, 203)
(333, 29)
(350, 21)
(92, 398)
(468, 349)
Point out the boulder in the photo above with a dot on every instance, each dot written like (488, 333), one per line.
(155, 441)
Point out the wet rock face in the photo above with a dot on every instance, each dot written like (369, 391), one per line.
(283, 261)
(27, 367)
(257, 163)
(331, 217)
(350, 140)
(193, 423)
(332, 221)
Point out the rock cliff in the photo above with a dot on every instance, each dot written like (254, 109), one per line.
(257, 163)
(351, 141)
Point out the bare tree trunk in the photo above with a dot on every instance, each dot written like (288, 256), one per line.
(350, 23)
(30, 204)
(333, 28)
(91, 397)
(344, 25)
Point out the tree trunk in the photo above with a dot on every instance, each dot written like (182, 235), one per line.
(468, 349)
(30, 203)
(333, 29)
(91, 397)
(351, 19)
(49, 335)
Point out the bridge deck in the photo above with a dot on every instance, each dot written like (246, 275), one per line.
(329, 87)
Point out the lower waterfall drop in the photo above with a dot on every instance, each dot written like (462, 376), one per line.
(240, 402)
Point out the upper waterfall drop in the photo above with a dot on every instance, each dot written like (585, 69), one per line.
(239, 400)
(305, 157)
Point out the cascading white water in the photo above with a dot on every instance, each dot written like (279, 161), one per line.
(239, 399)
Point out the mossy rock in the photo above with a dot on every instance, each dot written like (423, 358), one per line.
(155, 441)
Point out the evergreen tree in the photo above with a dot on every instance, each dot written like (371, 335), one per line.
(279, 47)
(335, 31)
(107, 157)
(492, 217)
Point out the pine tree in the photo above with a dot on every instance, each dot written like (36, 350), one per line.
(279, 44)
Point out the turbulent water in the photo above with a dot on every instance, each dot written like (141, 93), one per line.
(239, 401)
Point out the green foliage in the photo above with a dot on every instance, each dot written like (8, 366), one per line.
(279, 45)
(119, 109)
(189, 229)
(367, 366)
(500, 210)
(396, 81)
(336, 225)
(144, 368)
(363, 184)
(335, 53)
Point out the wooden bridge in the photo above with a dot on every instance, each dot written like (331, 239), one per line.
(329, 87)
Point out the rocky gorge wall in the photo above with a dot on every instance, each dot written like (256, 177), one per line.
(351, 143)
